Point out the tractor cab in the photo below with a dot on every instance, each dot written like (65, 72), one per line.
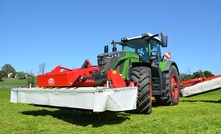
(146, 46)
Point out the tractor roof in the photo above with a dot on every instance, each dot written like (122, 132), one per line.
(137, 41)
(140, 37)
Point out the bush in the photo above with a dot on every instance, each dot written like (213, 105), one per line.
(1, 75)
(21, 75)
(31, 80)
(208, 74)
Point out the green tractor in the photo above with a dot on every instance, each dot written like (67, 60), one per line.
(141, 62)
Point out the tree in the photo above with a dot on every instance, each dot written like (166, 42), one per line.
(198, 74)
(6, 69)
(42, 68)
(184, 77)
(208, 74)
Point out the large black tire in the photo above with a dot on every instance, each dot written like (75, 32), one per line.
(172, 87)
(142, 76)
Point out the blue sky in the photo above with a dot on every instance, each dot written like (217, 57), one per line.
(66, 32)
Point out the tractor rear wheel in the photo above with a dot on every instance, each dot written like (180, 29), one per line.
(172, 87)
(142, 77)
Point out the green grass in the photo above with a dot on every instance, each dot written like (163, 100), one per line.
(13, 82)
(198, 114)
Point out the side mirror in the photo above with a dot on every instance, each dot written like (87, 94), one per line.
(164, 41)
(106, 49)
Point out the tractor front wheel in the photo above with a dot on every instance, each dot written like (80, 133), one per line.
(142, 77)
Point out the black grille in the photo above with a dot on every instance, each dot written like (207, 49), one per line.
(107, 61)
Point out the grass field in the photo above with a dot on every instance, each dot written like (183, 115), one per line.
(13, 82)
(198, 114)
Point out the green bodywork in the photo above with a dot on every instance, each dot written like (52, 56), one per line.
(125, 63)
(163, 65)
(133, 51)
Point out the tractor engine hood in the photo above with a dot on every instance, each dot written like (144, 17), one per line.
(107, 61)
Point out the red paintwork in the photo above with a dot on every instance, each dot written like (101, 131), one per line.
(80, 77)
(174, 86)
(116, 79)
(64, 77)
(192, 82)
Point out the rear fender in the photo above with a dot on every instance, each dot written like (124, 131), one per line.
(165, 66)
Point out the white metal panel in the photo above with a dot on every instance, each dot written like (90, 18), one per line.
(202, 87)
(91, 98)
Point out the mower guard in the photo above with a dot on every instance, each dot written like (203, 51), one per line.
(98, 99)
(209, 84)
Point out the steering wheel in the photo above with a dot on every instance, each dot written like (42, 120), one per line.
(141, 56)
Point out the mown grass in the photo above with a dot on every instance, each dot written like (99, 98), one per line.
(198, 114)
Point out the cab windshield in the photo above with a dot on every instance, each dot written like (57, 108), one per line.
(141, 47)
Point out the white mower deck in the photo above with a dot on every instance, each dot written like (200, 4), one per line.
(98, 99)
(203, 87)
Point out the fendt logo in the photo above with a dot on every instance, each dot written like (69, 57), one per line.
(51, 81)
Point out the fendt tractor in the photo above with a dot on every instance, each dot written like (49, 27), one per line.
(123, 80)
